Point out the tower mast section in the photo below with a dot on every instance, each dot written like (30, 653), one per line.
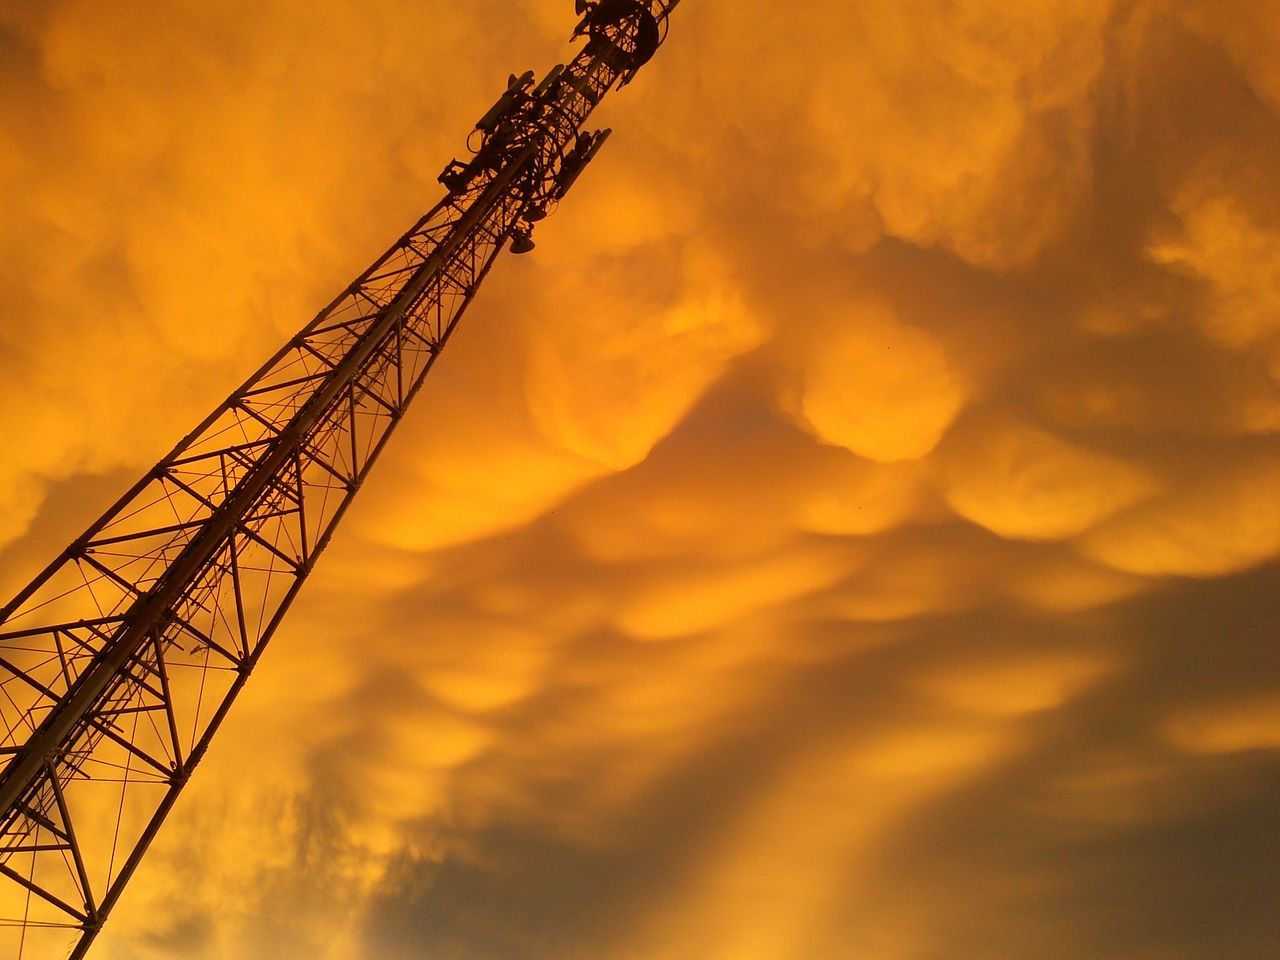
(121, 659)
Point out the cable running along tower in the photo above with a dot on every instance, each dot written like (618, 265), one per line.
(120, 660)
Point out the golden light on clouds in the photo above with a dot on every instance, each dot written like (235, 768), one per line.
(1228, 728)
(1013, 687)
(1024, 483)
(853, 532)
(620, 369)
(877, 387)
(1217, 524)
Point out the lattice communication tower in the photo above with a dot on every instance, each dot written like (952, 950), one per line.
(120, 660)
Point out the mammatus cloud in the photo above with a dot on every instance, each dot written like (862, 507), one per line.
(851, 533)
(901, 403)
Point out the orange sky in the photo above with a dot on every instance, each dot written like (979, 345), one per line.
(851, 535)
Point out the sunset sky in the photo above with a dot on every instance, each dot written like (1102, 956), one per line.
(852, 534)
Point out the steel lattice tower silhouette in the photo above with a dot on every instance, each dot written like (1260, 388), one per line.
(120, 660)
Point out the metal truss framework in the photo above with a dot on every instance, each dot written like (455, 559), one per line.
(121, 659)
